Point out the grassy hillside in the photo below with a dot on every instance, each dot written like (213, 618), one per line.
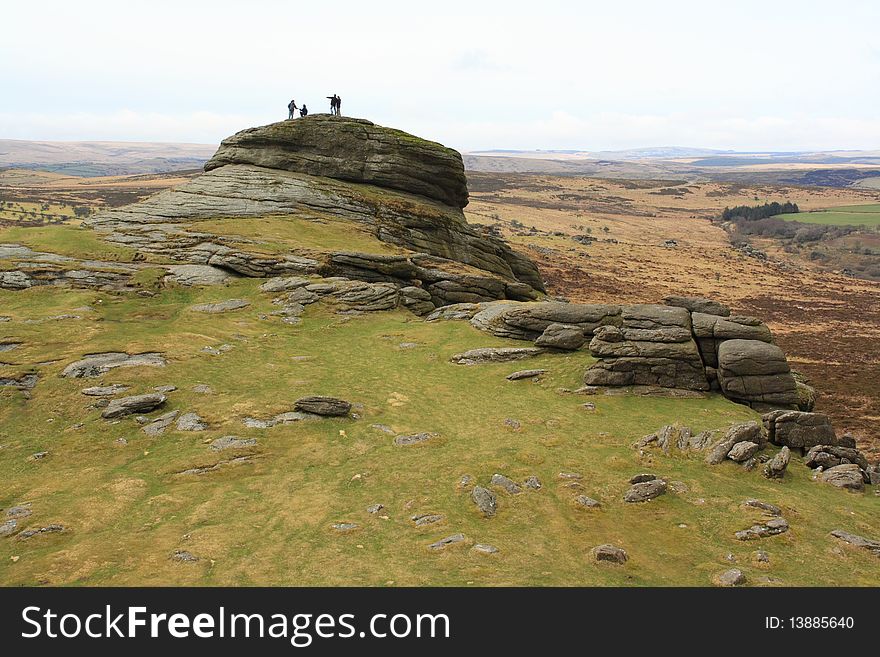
(268, 519)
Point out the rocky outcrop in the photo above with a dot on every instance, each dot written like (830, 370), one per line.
(527, 321)
(653, 346)
(797, 429)
(756, 373)
(400, 189)
(97, 364)
(354, 150)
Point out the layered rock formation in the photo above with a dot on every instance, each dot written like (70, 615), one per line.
(678, 345)
(402, 190)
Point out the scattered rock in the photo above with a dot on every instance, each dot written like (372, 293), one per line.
(732, 577)
(646, 490)
(761, 556)
(426, 519)
(165, 389)
(202, 389)
(375, 508)
(8, 527)
(745, 432)
(570, 475)
(220, 307)
(48, 529)
(772, 527)
(847, 475)
(104, 391)
(829, 456)
(159, 425)
(96, 364)
(743, 451)
(533, 482)
(20, 511)
(772, 509)
(344, 526)
(325, 406)
(587, 502)
(135, 404)
(443, 543)
(485, 548)
(775, 468)
(232, 442)
(512, 424)
(641, 478)
(183, 556)
(525, 374)
(414, 439)
(507, 484)
(858, 541)
(191, 422)
(485, 501)
(609, 553)
(495, 355)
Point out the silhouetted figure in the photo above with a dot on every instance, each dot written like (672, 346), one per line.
(291, 109)
(335, 102)
(338, 106)
(303, 111)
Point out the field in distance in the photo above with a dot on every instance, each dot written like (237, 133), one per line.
(847, 215)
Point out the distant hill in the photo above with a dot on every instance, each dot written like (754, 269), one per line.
(102, 158)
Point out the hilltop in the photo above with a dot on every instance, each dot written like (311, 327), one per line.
(305, 366)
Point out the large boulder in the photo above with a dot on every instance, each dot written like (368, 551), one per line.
(847, 475)
(756, 373)
(354, 150)
(134, 404)
(652, 345)
(799, 429)
(562, 336)
(711, 330)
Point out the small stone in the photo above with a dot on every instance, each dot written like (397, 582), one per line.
(158, 425)
(20, 511)
(221, 307)
(415, 439)
(506, 483)
(589, 406)
(39, 455)
(465, 482)
(640, 478)
(326, 406)
(570, 475)
(732, 577)
(443, 543)
(104, 391)
(131, 405)
(609, 553)
(426, 519)
(775, 468)
(375, 508)
(485, 548)
(513, 424)
(344, 526)
(184, 556)
(533, 482)
(485, 501)
(191, 422)
(772, 509)
(232, 442)
(761, 556)
(587, 502)
(858, 541)
(525, 374)
(646, 490)
(165, 388)
(743, 451)
(8, 527)
(383, 428)
(203, 389)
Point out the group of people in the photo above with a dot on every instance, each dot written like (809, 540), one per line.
(335, 107)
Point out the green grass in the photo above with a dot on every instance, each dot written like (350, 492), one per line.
(281, 233)
(268, 521)
(846, 215)
(70, 241)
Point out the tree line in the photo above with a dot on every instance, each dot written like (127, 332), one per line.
(755, 212)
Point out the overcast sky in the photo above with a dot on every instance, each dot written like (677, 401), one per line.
(474, 75)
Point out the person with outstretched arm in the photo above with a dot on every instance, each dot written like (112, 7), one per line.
(291, 109)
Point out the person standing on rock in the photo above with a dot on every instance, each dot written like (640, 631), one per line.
(334, 104)
(303, 111)
(338, 105)
(291, 109)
